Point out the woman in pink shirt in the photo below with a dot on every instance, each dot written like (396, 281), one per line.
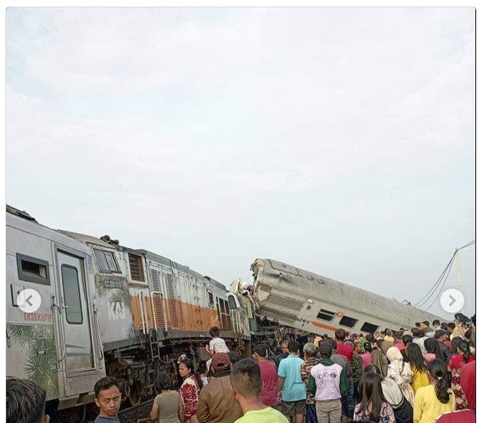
(367, 357)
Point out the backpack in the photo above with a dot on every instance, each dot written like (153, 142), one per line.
(404, 412)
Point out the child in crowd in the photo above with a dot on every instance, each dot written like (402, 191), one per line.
(216, 344)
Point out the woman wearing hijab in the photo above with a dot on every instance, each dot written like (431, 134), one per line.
(380, 361)
(401, 373)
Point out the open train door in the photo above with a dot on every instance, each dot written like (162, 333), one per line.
(80, 355)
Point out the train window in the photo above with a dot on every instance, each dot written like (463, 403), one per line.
(211, 301)
(326, 315)
(136, 268)
(34, 270)
(348, 321)
(106, 261)
(232, 305)
(369, 327)
(71, 292)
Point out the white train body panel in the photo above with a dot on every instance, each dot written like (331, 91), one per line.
(57, 345)
(313, 303)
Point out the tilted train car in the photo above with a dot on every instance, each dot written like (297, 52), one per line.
(294, 297)
(106, 310)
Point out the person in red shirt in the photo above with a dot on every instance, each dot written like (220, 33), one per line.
(398, 340)
(455, 365)
(467, 381)
(268, 373)
(342, 349)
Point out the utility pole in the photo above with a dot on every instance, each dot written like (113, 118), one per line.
(459, 276)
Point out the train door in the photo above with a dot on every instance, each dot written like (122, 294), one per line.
(77, 346)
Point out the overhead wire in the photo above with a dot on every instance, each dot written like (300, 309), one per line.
(446, 271)
(441, 289)
(430, 293)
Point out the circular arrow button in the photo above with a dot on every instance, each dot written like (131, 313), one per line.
(29, 300)
(452, 300)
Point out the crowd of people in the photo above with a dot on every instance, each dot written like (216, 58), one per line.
(422, 375)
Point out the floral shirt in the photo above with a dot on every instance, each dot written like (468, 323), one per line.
(189, 392)
(386, 414)
(357, 367)
(305, 372)
(456, 363)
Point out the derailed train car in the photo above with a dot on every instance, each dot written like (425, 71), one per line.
(300, 299)
(106, 309)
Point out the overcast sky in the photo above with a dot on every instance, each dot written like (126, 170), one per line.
(340, 141)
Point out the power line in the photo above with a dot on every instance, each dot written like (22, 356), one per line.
(441, 289)
(443, 277)
(432, 290)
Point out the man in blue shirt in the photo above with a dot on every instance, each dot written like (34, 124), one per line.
(290, 383)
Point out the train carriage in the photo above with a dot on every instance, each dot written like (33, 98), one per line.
(300, 299)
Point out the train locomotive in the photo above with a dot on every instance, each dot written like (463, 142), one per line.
(106, 309)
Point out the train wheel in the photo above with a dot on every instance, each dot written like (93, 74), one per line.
(135, 396)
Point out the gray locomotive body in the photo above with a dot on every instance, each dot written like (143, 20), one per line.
(106, 310)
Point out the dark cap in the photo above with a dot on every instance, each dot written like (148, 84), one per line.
(325, 348)
(220, 361)
(439, 333)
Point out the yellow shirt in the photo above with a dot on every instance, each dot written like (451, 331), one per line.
(427, 408)
(419, 380)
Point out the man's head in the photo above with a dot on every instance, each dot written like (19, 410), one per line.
(436, 323)
(293, 347)
(340, 335)
(333, 345)
(309, 349)
(259, 350)
(325, 348)
(398, 335)
(214, 332)
(25, 402)
(440, 335)
(221, 362)
(284, 346)
(108, 397)
(417, 333)
(246, 380)
(450, 327)
(424, 325)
